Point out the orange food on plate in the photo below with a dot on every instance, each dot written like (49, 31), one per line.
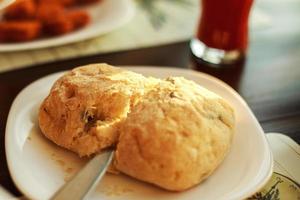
(79, 18)
(54, 19)
(46, 12)
(58, 26)
(19, 31)
(29, 19)
(88, 1)
(20, 10)
(66, 3)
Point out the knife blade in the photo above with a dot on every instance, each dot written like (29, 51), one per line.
(86, 179)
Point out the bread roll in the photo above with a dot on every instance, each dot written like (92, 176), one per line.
(176, 136)
(86, 106)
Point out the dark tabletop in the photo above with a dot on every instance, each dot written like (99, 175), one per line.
(269, 78)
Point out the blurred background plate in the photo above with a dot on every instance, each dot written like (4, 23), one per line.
(39, 167)
(107, 15)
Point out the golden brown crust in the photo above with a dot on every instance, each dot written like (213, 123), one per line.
(85, 106)
(175, 136)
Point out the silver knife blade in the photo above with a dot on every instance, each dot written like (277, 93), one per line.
(86, 179)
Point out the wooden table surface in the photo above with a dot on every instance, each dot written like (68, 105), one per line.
(269, 79)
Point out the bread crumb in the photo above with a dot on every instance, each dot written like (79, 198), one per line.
(69, 170)
(115, 190)
(67, 178)
(61, 162)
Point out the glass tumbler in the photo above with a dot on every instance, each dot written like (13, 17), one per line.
(222, 36)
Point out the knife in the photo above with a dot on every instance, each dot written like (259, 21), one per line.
(86, 179)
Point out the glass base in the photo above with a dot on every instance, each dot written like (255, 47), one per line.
(214, 56)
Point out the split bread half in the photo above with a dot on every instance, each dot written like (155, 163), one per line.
(85, 106)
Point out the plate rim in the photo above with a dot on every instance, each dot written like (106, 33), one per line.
(247, 193)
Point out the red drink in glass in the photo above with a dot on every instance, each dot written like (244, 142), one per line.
(223, 26)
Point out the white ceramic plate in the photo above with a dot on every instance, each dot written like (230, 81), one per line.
(38, 167)
(5, 3)
(106, 15)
